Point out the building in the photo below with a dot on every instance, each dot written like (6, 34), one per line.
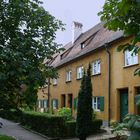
(113, 80)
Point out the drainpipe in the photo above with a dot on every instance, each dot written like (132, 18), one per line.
(109, 82)
(49, 94)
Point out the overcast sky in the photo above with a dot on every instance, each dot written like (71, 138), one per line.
(83, 11)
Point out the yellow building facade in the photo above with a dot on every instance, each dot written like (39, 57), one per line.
(113, 81)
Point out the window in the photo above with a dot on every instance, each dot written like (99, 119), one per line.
(82, 45)
(130, 59)
(80, 72)
(96, 67)
(45, 103)
(42, 103)
(96, 103)
(54, 81)
(54, 103)
(68, 76)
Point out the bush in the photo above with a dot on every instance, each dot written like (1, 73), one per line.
(96, 126)
(51, 126)
(65, 112)
(70, 127)
(13, 115)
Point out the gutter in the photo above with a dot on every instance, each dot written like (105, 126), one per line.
(109, 82)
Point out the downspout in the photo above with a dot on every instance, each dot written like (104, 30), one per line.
(109, 82)
(49, 94)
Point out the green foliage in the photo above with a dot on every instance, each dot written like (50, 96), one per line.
(4, 137)
(94, 114)
(123, 15)
(132, 123)
(84, 109)
(65, 112)
(27, 34)
(71, 127)
(47, 124)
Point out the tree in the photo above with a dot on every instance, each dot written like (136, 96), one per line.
(124, 15)
(27, 34)
(84, 110)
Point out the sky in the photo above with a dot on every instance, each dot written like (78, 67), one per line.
(83, 11)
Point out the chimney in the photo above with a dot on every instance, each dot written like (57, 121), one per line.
(76, 30)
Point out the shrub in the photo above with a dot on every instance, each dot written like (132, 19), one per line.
(66, 113)
(94, 114)
(51, 126)
(96, 126)
(70, 128)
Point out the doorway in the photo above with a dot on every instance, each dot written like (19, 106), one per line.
(63, 100)
(123, 103)
(70, 100)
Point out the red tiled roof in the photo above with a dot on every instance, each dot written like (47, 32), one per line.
(94, 39)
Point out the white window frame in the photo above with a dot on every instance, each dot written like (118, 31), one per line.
(96, 103)
(80, 72)
(54, 81)
(96, 67)
(45, 104)
(68, 76)
(39, 103)
(130, 58)
(54, 104)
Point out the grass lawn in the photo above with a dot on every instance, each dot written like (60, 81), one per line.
(4, 137)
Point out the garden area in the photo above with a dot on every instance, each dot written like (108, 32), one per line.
(58, 125)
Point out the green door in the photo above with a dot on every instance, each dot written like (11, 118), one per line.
(123, 104)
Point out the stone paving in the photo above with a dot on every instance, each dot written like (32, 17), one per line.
(13, 129)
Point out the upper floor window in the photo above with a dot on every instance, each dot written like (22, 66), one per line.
(68, 76)
(80, 71)
(96, 67)
(130, 58)
(54, 81)
(82, 45)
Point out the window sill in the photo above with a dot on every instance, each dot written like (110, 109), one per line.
(130, 65)
(54, 84)
(68, 81)
(97, 110)
(96, 74)
(79, 78)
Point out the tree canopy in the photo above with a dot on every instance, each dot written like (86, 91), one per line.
(27, 34)
(123, 15)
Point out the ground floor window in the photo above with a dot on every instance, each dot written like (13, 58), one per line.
(54, 103)
(98, 103)
(42, 103)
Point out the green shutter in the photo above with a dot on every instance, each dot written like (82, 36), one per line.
(75, 103)
(52, 103)
(137, 99)
(56, 100)
(102, 103)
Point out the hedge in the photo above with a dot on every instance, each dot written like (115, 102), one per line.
(52, 126)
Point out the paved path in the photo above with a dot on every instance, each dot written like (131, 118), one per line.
(13, 129)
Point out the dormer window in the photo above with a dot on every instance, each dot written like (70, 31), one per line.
(82, 45)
